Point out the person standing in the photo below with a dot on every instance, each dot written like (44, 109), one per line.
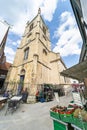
(25, 95)
(6, 94)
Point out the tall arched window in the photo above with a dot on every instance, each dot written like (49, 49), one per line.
(26, 52)
(22, 72)
(44, 52)
(31, 27)
(44, 30)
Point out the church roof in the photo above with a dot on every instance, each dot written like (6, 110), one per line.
(4, 28)
(39, 14)
(5, 66)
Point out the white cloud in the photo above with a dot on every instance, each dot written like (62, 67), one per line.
(69, 42)
(10, 53)
(16, 43)
(17, 13)
(63, 0)
(13, 42)
(48, 9)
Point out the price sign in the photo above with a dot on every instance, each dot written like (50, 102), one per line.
(77, 98)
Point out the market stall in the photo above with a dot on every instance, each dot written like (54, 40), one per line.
(45, 93)
(72, 117)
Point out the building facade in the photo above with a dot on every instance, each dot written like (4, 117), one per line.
(80, 9)
(79, 71)
(4, 66)
(35, 63)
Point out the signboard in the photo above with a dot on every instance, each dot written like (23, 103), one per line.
(57, 96)
(77, 98)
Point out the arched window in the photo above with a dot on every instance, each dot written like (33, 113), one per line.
(44, 30)
(44, 52)
(21, 82)
(22, 72)
(26, 52)
(31, 27)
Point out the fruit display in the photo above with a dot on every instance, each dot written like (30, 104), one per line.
(80, 113)
(57, 109)
(72, 110)
(62, 110)
(77, 112)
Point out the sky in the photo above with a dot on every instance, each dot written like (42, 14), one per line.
(58, 15)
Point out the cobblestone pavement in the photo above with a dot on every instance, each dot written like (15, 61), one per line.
(31, 116)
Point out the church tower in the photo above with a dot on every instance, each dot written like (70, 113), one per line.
(35, 63)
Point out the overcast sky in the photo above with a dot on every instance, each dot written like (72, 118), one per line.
(58, 16)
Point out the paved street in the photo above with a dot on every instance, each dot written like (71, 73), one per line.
(31, 116)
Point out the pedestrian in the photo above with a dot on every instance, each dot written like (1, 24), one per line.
(6, 94)
(82, 89)
(19, 90)
(25, 95)
(37, 95)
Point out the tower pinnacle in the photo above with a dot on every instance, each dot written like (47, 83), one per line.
(39, 11)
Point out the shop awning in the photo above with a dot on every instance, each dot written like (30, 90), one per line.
(78, 71)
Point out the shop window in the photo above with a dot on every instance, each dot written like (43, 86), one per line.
(31, 26)
(83, 33)
(26, 52)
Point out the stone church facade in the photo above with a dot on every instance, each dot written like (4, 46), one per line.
(34, 62)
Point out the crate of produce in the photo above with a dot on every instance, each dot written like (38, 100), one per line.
(85, 125)
(80, 118)
(54, 114)
(60, 125)
(67, 115)
(67, 118)
(79, 123)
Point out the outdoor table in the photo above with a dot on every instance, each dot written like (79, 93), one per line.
(14, 103)
(3, 100)
(16, 98)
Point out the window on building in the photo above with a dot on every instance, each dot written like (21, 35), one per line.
(26, 52)
(31, 26)
(22, 72)
(44, 30)
(83, 33)
(44, 52)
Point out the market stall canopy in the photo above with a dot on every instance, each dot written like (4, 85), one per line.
(78, 71)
